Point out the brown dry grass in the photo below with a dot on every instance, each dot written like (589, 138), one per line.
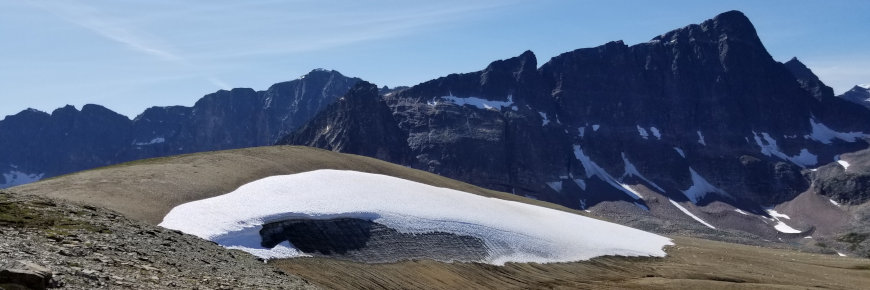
(147, 190)
(691, 264)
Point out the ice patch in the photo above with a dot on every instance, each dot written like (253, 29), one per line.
(544, 119)
(825, 135)
(581, 183)
(156, 140)
(512, 231)
(15, 178)
(780, 225)
(686, 211)
(841, 254)
(842, 162)
(480, 103)
(680, 151)
(593, 169)
(701, 138)
(555, 185)
(803, 159)
(631, 170)
(700, 188)
(643, 133)
(655, 132)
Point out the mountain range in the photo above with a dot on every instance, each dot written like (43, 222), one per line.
(699, 124)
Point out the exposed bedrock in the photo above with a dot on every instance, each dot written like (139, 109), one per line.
(366, 241)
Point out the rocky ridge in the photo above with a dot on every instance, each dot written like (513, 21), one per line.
(86, 247)
(40, 145)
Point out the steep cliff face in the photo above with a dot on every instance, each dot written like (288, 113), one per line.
(37, 145)
(359, 115)
(701, 115)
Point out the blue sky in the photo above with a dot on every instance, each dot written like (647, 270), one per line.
(130, 55)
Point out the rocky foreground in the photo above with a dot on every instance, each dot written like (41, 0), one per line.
(56, 244)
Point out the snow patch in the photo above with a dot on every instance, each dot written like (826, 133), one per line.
(512, 231)
(156, 140)
(834, 202)
(643, 133)
(581, 183)
(555, 185)
(780, 225)
(842, 162)
(595, 127)
(865, 86)
(544, 119)
(741, 212)
(581, 131)
(15, 178)
(686, 211)
(479, 102)
(655, 131)
(700, 187)
(825, 135)
(701, 138)
(631, 170)
(841, 254)
(593, 169)
(770, 148)
(680, 151)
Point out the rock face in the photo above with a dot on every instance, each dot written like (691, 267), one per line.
(359, 115)
(701, 114)
(38, 145)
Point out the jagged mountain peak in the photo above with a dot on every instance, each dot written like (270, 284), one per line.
(808, 80)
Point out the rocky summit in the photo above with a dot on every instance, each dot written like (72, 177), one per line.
(697, 117)
(39, 145)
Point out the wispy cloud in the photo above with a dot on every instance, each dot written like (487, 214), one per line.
(94, 20)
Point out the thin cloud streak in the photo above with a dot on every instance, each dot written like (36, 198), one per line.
(91, 19)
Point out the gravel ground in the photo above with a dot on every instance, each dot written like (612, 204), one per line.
(87, 247)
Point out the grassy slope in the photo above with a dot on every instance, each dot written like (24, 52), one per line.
(692, 264)
(147, 190)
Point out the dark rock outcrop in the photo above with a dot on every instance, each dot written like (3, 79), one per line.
(702, 113)
(369, 242)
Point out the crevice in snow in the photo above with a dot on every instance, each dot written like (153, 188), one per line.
(686, 211)
(511, 231)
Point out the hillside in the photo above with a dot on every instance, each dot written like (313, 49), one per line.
(148, 189)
